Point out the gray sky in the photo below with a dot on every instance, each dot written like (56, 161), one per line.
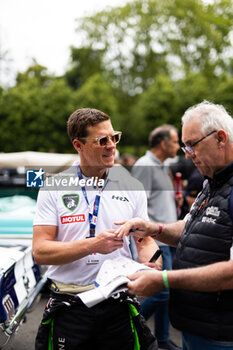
(43, 30)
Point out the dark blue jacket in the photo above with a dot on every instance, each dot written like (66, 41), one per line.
(206, 239)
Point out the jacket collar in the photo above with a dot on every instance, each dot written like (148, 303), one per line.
(222, 176)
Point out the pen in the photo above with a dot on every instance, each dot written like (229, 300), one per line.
(156, 255)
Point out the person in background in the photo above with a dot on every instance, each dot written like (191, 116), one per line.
(194, 186)
(184, 166)
(127, 160)
(151, 171)
(192, 182)
(201, 282)
(74, 233)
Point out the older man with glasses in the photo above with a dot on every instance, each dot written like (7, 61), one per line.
(74, 233)
(201, 282)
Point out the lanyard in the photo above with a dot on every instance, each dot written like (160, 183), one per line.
(93, 214)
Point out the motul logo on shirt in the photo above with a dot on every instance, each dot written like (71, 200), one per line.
(72, 218)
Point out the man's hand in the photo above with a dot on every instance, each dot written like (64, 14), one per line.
(107, 242)
(135, 227)
(145, 283)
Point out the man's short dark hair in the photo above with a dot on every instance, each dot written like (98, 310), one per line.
(81, 119)
(161, 133)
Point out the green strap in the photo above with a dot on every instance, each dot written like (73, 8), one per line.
(50, 340)
(132, 313)
(50, 343)
(47, 322)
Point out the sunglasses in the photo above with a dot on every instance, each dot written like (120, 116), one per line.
(189, 149)
(104, 140)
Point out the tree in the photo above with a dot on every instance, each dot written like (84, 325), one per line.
(223, 92)
(37, 72)
(160, 104)
(85, 62)
(33, 115)
(194, 88)
(149, 37)
(97, 93)
(144, 64)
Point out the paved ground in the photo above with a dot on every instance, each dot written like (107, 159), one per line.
(24, 339)
(175, 335)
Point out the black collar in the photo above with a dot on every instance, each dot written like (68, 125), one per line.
(221, 176)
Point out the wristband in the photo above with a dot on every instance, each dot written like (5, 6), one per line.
(159, 231)
(165, 279)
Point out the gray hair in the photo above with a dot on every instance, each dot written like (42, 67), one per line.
(212, 116)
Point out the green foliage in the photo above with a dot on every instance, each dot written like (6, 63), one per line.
(37, 72)
(34, 118)
(224, 92)
(97, 93)
(158, 105)
(143, 64)
(85, 63)
(194, 88)
(149, 37)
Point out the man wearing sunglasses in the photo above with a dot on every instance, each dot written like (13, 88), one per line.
(201, 282)
(74, 233)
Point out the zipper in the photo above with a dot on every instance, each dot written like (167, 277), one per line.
(197, 211)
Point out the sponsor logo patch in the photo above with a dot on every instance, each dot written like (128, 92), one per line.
(208, 219)
(214, 211)
(72, 219)
(119, 198)
(70, 201)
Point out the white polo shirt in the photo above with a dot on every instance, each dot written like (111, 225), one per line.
(65, 207)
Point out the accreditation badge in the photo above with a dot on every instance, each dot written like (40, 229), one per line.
(93, 259)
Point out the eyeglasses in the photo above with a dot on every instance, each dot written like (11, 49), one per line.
(189, 149)
(104, 140)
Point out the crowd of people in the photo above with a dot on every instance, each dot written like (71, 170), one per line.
(191, 285)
